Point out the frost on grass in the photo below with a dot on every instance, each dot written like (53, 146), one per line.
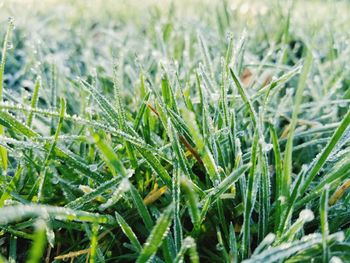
(174, 132)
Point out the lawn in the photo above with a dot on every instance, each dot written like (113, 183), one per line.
(175, 131)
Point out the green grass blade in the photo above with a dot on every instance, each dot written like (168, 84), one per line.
(109, 155)
(282, 252)
(287, 210)
(110, 112)
(249, 200)
(264, 244)
(10, 214)
(3, 152)
(180, 156)
(188, 245)
(13, 124)
(264, 193)
(290, 234)
(34, 100)
(168, 93)
(176, 195)
(79, 202)
(192, 201)
(128, 232)
(287, 162)
(13, 250)
(156, 165)
(227, 182)
(121, 117)
(141, 208)
(141, 112)
(11, 186)
(93, 243)
(37, 250)
(244, 97)
(123, 187)
(320, 160)
(42, 175)
(203, 150)
(233, 245)
(324, 223)
(157, 235)
(339, 173)
(205, 54)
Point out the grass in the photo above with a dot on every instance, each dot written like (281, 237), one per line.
(175, 131)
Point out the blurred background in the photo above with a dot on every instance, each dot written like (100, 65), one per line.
(61, 40)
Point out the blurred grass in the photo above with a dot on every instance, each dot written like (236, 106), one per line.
(212, 131)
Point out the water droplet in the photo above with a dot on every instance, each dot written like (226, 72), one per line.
(54, 180)
(343, 104)
(336, 259)
(86, 189)
(306, 215)
(119, 147)
(9, 46)
(130, 172)
(125, 185)
(219, 247)
(267, 147)
(93, 167)
(282, 199)
(270, 238)
(11, 20)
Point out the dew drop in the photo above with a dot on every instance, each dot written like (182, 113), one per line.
(93, 167)
(9, 46)
(267, 147)
(11, 20)
(335, 259)
(54, 180)
(306, 215)
(219, 247)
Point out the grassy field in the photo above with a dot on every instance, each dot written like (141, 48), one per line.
(175, 131)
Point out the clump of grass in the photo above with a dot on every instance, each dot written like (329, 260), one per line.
(152, 137)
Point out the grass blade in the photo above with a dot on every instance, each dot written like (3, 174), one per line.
(320, 160)
(34, 101)
(227, 182)
(157, 235)
(282, 252)
(10, 214)
(79, 202)
(188, 244)
(37, 250)
(93, 243)
(141, 208)
(244, 97)
(128, 232)
(249, 200)
(3, 152)
(287, 162)
(192, 201)
(324, 223)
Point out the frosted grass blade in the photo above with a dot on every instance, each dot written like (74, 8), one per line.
(287, 162)
(128, 232)
(157, 235)
(37, 250)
